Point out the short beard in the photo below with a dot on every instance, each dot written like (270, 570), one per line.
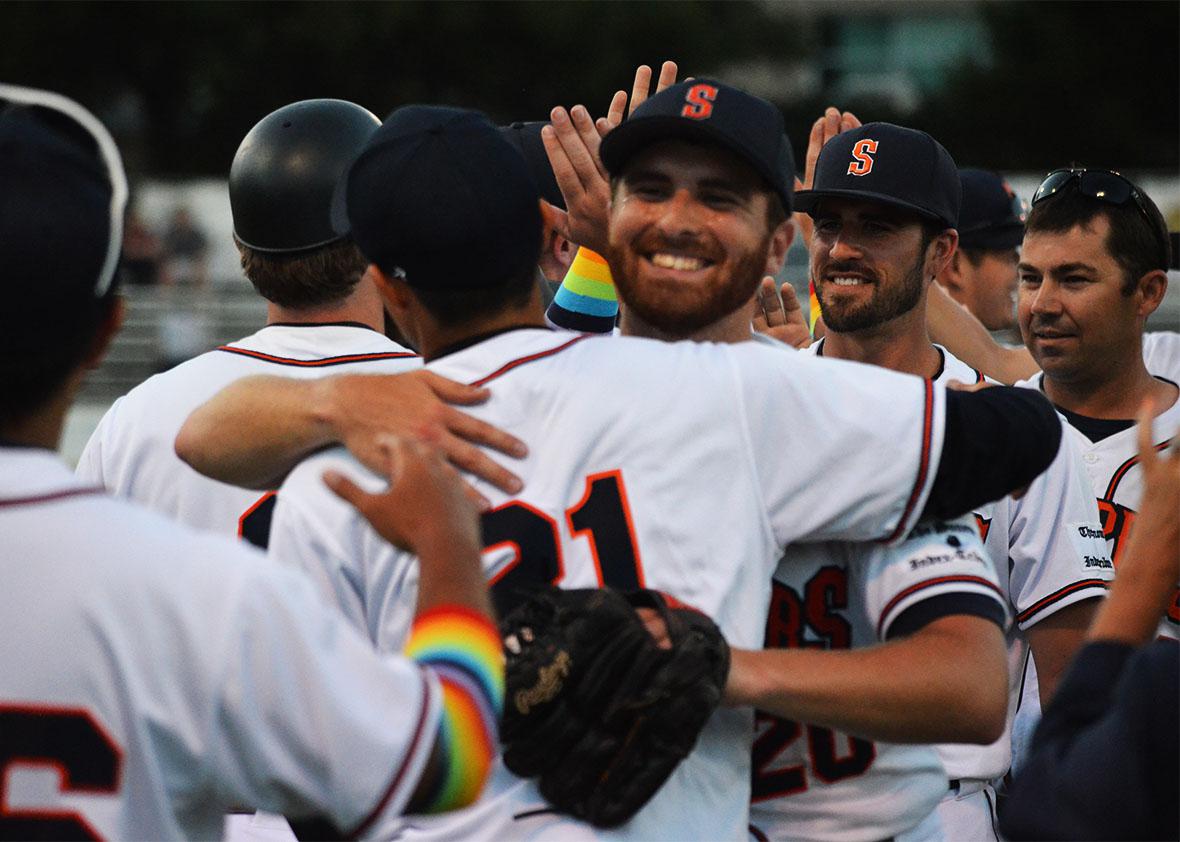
(681, 319)
(884, 305)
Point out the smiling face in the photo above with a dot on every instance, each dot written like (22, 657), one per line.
(689, 236)
(1074, 315)
(869, 262)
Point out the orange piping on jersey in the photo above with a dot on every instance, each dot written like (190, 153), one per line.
(929, 583)
(923, 464)
(411, 753)
(569, 519)
(1118, 475)
(253, 508)
(325, 361)
(979, 378)
(507, 367)
(1059, 595)
(52, 497)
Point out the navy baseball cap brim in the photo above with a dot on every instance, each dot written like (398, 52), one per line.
(808, 200)
(998, 238)
(748, 126)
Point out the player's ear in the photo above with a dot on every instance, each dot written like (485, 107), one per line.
(951, 276)
(392, 290)
(1151, 289)
(780, 243)
(941, 251)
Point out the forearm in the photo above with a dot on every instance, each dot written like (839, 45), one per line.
(912, 690)
(953, 326)
(256, 429)
(1055, 640)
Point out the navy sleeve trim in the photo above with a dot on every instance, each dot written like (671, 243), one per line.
(928, 610)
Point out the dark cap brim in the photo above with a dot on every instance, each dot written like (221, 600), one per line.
(806, 200)
(634, 135)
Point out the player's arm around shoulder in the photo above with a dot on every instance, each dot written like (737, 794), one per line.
(939, 670)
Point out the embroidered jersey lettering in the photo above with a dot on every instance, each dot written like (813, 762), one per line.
(138, 697)
(814, 783)
(612, 495)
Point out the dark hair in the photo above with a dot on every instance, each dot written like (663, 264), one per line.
(457, 306)
(31, 369)
(306, 278)
(1132, 242)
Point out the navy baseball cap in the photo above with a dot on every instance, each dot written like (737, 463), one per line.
(893, 165)
(526, 137)
(992, 216)
(702, 109)
(439, 197)
(63, 198)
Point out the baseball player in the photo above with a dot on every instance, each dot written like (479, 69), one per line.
(880, 236)
(1092, 269)
(154, 676)
(981, 274)
(322, 317)
(607, 506)
(914, 614)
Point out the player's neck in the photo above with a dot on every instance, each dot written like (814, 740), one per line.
(439, 338)
(363, 306)
(1118, 395)
(902, 344)
(43, 427)
(733, 328)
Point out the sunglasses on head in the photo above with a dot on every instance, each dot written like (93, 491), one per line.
(1105, 186)
(68, 118)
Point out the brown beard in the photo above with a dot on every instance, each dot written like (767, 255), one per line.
(880, 308)
(695, 309)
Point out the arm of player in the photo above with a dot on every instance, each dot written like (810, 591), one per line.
(911, 690)
(953, 326)
(1055, 640)
(425, 511)
(256, 429)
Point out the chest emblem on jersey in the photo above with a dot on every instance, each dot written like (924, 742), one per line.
(984, 524)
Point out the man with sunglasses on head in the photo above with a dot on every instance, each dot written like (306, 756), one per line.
(884, 205)
(1093, 268)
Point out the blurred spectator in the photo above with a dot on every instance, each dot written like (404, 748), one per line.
(184, 329)
(142, 251)
(185, 250)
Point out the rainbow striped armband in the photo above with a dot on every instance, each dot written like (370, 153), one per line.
(586, 301)
(462, 648)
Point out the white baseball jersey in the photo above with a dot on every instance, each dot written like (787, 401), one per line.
(1049, 553)
(1111, 466)
(1161, 354)
(153, 676)
(816, 783)
(648, 465)
(132, 453)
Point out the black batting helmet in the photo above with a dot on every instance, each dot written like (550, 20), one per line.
(285, 171)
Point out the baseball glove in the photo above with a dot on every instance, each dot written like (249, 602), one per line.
(594, 708)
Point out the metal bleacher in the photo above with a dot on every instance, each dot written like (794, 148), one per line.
(219, 313)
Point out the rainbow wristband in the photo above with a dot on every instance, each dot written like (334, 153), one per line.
(462, 648)
(586, 301)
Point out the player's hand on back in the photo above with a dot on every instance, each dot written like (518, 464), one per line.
(777, 314)
(421, 405)
(425, 507)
